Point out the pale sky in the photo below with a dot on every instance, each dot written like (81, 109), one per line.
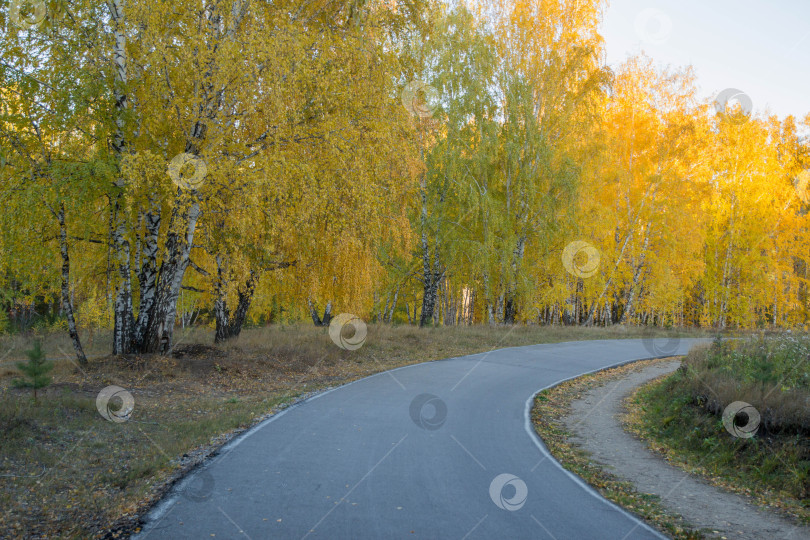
(761, 47)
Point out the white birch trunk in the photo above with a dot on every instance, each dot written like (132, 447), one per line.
(67, 303)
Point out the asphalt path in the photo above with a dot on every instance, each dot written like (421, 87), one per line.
(436, 450)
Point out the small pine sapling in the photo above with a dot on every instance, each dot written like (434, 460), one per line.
(35, 370)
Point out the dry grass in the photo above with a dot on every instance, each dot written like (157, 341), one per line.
(681, 418)
(66, 471)
(720, 374)
(304, 338)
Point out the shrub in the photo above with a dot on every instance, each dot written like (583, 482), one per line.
(770, 373)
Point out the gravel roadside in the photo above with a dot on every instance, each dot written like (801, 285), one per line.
(595, 425)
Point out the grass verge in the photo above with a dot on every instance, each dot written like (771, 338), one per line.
(553, 405)
(681, 418)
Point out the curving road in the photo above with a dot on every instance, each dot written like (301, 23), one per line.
(437, 450)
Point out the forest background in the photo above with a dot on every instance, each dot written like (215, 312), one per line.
(237, 163)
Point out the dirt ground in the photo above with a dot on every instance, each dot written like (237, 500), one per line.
(594, 421)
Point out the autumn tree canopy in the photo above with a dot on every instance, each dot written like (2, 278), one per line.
(411, 161)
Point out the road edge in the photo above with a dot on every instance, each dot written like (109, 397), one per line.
(590, 490)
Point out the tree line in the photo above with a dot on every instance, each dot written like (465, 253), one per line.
(408, 161)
